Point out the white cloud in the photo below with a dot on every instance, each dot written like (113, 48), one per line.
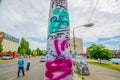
(112, 47)
(40, 45)
(106, 19)
(112, 40)
(29, 18)
(109, 6)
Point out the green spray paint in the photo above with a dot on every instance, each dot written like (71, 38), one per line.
(59, 21)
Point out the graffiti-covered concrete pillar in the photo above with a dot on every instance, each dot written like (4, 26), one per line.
(58, 60)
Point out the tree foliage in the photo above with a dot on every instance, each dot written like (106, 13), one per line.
(39, 51)
(29, 52)
(1, 48)
(99, 52)
(24, 47)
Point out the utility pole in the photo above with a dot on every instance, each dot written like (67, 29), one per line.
(74, 42)
(59, 63)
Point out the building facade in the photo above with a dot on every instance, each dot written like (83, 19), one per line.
(9, 43)
(78, 46)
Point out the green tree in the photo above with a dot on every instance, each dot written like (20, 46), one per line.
(23, 51)
(33, 52)
(1, 48)
(39, 51)
(29, 52)
(24, 47)
(99, 52)
(19, 50)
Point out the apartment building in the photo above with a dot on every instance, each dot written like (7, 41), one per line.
(78, 46)
(9, 42)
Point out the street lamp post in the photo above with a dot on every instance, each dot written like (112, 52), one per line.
(74, 42)
(85, 25)
(0, 1)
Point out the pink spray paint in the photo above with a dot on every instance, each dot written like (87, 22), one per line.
(62, 66)
(58, 60)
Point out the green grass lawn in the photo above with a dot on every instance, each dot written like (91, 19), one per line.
(106, 65)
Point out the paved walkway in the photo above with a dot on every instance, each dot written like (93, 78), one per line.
(101, 73)
(37, 73)
(35, 76)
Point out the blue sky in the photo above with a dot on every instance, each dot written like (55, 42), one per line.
(29, 19)
(112, 43)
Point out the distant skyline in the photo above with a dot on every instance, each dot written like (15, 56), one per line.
(29, 19)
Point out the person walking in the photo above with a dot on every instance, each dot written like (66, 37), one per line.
(28, 65)
(21, 67)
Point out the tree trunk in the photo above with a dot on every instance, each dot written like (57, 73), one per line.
(99, 61)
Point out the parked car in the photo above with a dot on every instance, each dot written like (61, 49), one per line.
(116, 61)
(10, 57)
(5, 57)
(26, 56)
(21, 56)
(42, 59)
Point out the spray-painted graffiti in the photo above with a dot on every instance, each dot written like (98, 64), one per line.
(62, 46)
(61, 65)
(58, 60)
(60, 34)
(59, 21)
(60, 4)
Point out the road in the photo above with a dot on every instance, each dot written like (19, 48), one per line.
(8, 71)
(100, 73)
